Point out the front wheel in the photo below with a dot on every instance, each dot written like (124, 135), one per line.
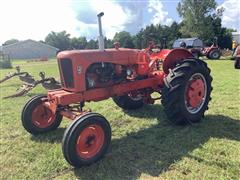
(37, 118)
(187, 90)
(86, 140)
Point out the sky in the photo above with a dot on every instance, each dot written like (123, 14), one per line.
(34, 19)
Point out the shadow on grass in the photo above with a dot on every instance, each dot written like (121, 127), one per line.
(148, 111)
(51, 137)
(153, 150)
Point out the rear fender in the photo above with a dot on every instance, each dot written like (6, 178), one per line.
(174, 57)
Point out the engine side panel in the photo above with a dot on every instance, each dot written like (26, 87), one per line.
(82, 59)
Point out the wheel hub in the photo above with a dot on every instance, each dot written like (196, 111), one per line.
(42, 117)
(215, 55)
(90, 141)
(195, 93)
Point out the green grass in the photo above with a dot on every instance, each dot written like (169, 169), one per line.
(144, 144)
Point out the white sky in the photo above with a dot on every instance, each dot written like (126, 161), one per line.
(231, 15)
(24, 19)
(34, 19)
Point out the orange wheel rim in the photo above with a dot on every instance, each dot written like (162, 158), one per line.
(195, 93)
(42, 117)
(90, 141)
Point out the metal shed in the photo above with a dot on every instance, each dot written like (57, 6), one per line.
(29, 49)
(190, 42)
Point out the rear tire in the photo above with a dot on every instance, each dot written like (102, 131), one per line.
(86, 140)
(214, 54)
(128, 103)
(37, 119)
(186, 92)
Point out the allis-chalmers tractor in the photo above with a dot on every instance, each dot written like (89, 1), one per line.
(129, 76)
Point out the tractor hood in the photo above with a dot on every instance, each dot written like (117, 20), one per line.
(119, 56)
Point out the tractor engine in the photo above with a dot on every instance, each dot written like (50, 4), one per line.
(104, 74)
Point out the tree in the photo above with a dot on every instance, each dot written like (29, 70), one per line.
(10, 41)
(78, 43)
(225, 38)
(60, 40)
(197, 18)
(138, 39)
(124, 38)
(157, 33)
(174, 33)
(108, 43)
(224, 35)
(92, 44)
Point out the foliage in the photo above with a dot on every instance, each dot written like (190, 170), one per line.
(108, 43)
(157, 33)
(144, 144)
(10, 41)
(92, 44)
(60, 40)
(78, 43)
(197, 18)
(202, 19)
(124, 38)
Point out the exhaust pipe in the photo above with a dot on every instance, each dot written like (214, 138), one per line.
(100, 37)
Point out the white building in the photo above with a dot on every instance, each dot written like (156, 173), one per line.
(29, 49)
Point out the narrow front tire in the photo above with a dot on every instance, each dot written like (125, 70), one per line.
(86, 140)
(37, 118)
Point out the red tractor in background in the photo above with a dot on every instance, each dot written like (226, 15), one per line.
(212, 52)
(129, 76)
(195, 46)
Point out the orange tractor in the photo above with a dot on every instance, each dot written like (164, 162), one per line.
(129, 76)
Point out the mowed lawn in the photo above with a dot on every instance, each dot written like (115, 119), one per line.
(144, 144)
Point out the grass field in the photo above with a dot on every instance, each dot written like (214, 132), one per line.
(144, 144)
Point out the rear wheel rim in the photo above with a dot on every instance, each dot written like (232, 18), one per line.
(90, 141)
(195, 93)
(215, 55)
(42, 116)
(135, 97)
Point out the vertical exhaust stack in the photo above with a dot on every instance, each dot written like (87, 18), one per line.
(100, 37)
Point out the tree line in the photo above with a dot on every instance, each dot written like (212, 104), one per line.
(200, 18)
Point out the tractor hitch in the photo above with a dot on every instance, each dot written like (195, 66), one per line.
(23, 76)
(48, 83)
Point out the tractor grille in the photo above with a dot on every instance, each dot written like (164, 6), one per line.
(67, 73)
